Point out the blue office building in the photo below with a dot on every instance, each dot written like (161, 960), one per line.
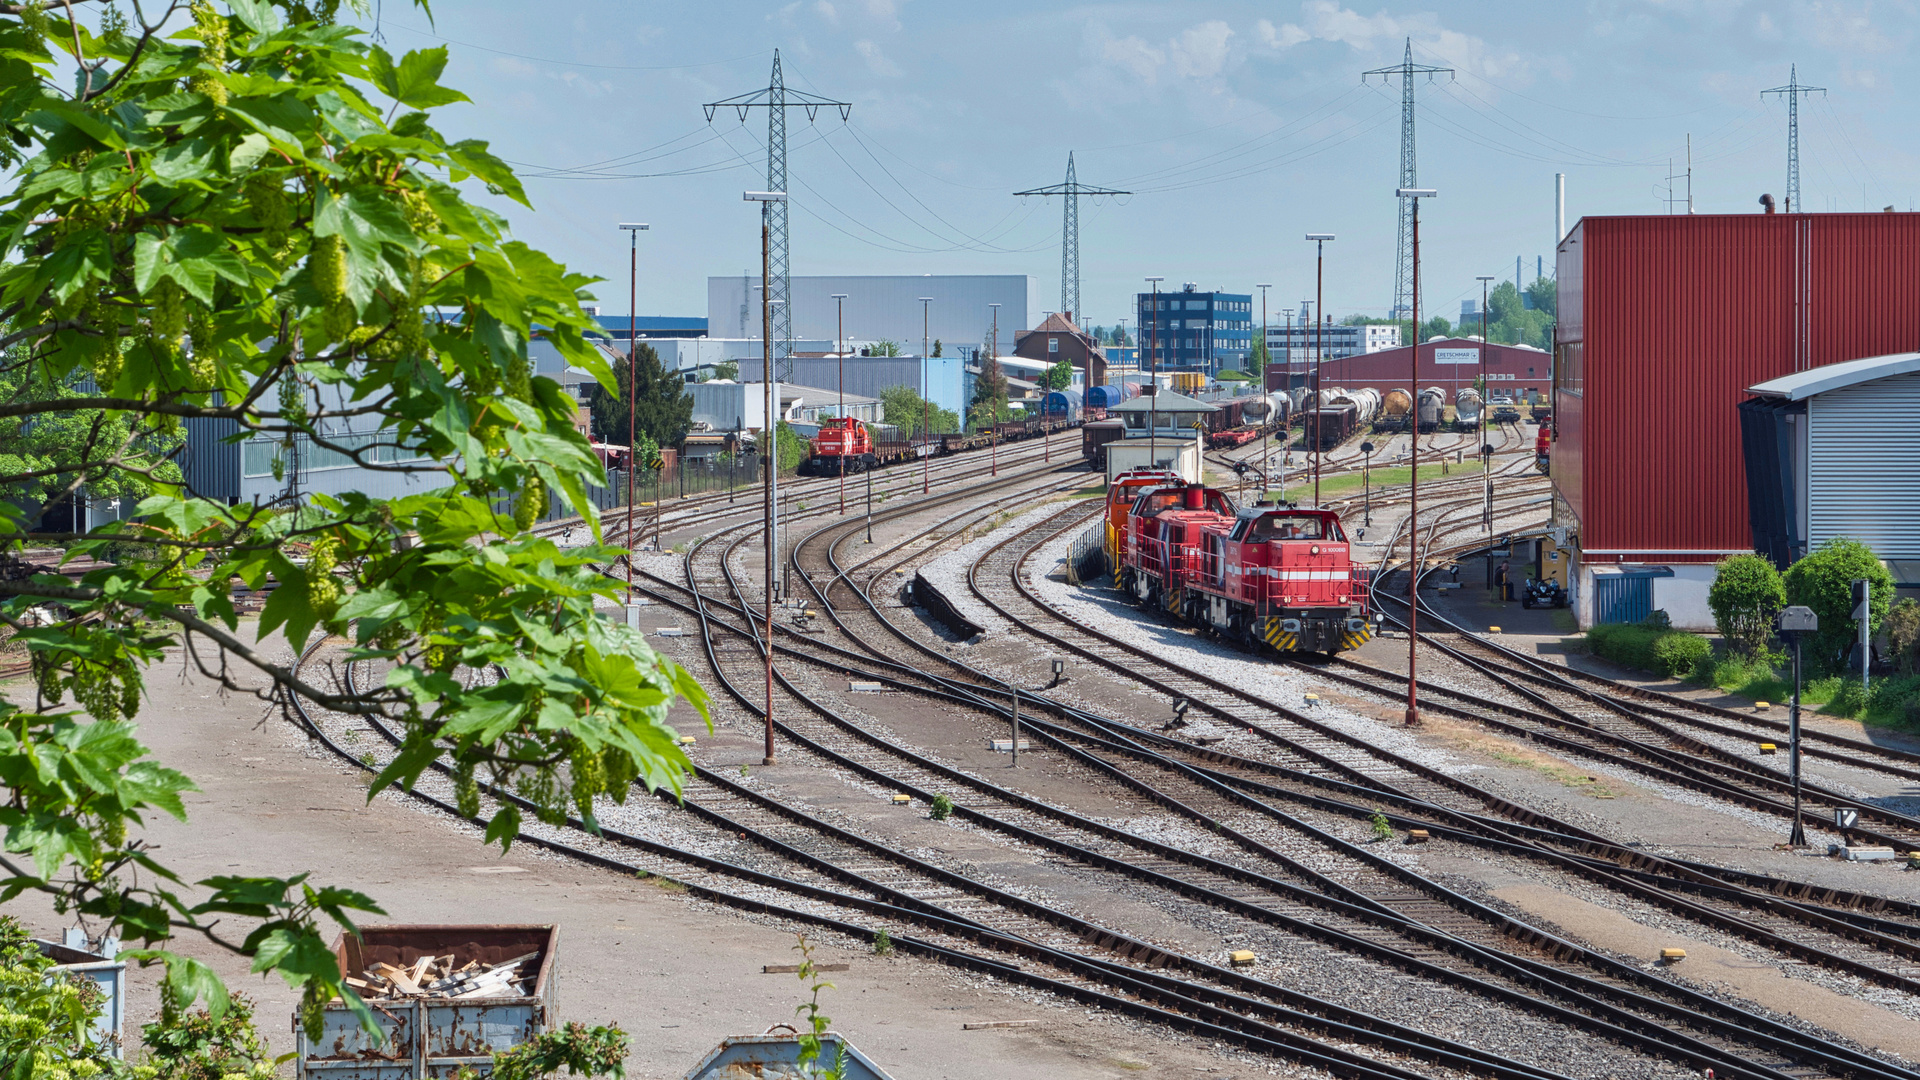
(1194, 331)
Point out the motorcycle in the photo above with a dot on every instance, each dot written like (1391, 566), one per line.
(1547, 594)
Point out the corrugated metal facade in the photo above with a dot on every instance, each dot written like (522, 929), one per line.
(1862, 454)
(1665, 320)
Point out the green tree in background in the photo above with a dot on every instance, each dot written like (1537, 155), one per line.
(1057, 377)
(662, 407)
(936, 347)
(1258, 357)
(904, 409)
(1747, 593)
(58, 452)
(1545, 294)
(1436, 327)
(989, 403)
(884, 347)
(251, 218)
(1823, 580)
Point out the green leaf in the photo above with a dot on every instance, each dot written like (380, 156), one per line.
(416, 82)
(471, 158)
(505, 826)
(192, 257)
(259, 15)
(280, 117)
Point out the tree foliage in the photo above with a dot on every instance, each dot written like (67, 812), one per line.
(1057, 377)
(989, 402)
(252, 219)
(884, 347)
(663, 409)
(1823, 580)
(45, 1022)
(1747, 593)
(910, 412)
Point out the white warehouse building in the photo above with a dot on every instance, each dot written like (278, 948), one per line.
(882, 306)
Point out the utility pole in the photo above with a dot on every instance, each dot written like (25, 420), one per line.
(777, 98)
(1266, 352)
(1319, 346)
(840, 349)
(1153, 367)
(634, 229)
(769, 430)
(1486, 449)
(1413, 196)
(1403, 298)
(1072, 189)
(926, 401)
(1791, 92)
(993, 430)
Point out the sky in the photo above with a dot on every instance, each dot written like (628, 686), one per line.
(1236, 127)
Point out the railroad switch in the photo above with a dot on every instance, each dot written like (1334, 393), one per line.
(1672, 956)
(1242, 958)
(1769, 748)
(1417, 836)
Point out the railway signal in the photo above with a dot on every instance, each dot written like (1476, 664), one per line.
(1795, 623)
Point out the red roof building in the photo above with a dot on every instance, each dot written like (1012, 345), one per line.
(1057, 339)
(1664, 321)
(1452, 364)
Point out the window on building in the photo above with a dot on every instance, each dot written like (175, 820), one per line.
(1053, 344)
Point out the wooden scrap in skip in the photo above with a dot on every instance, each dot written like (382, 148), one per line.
(438, 977)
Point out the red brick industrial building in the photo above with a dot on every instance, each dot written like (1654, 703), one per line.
(1664, 322)
(1450, 363)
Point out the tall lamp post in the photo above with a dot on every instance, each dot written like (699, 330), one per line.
(1153, 368)
(634, 229)
(1486, 391)
(926, 399)
(770, 429)
(1413, 483)
(1319, 348)
(993, 429)
(840, 348)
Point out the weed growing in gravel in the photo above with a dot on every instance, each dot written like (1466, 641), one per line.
(367, 759)
(882, 943)
(743, 770)
(1382, 828)
(942, 808)
(817, 1021)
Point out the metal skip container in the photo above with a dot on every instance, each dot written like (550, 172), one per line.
(427, 1037)
(777, 1057)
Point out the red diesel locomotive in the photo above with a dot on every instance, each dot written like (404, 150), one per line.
(1272, 574)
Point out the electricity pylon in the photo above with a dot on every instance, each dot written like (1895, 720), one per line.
(776, 98)
(1070, 235)
(1793, 90)
(1403, 262)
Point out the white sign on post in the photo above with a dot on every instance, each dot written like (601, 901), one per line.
(1456, 356)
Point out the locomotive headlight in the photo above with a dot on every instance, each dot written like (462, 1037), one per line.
(1315, 549)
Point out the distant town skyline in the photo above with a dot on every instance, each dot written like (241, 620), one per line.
(1239, 127)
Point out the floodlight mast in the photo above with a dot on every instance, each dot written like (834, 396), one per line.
(769, 431)
(1413, 457)
(634, 229)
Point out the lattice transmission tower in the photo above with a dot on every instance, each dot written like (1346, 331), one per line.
(1792, 92)
(1070, 235)
(1409, 178)
(777, 98)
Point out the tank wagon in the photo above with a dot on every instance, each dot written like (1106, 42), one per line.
(1466, 406)
(1433, 401)
(1268, 576)
(1366, 403)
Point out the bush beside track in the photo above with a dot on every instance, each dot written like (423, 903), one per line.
(1668, 652)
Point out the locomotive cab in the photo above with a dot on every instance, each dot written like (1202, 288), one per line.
(1121, 495)
(842, 446)
(1164, 529)
(1285, 577)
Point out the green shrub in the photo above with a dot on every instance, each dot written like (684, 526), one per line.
(1663, 652)
(1746, 595)
(1677, 654)
(1823, 581)
(1902, 627)
(942, 808)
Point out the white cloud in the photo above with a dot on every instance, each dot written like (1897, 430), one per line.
(1846, 27)
(885, 12)
(877, 61)
(826, 11)
(1284, 37)
(1327, 20)
(1200, 52)
(1135, 55)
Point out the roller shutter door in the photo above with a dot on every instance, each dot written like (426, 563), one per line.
(1863, 466)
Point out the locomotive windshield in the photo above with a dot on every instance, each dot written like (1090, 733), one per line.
(1292, 527)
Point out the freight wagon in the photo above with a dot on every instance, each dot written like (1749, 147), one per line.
(1329, 427)
(1095, 436)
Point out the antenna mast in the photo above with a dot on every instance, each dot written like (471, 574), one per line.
(1070, 235)
(1403, 263)
(1792, 92)
(776, 98)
